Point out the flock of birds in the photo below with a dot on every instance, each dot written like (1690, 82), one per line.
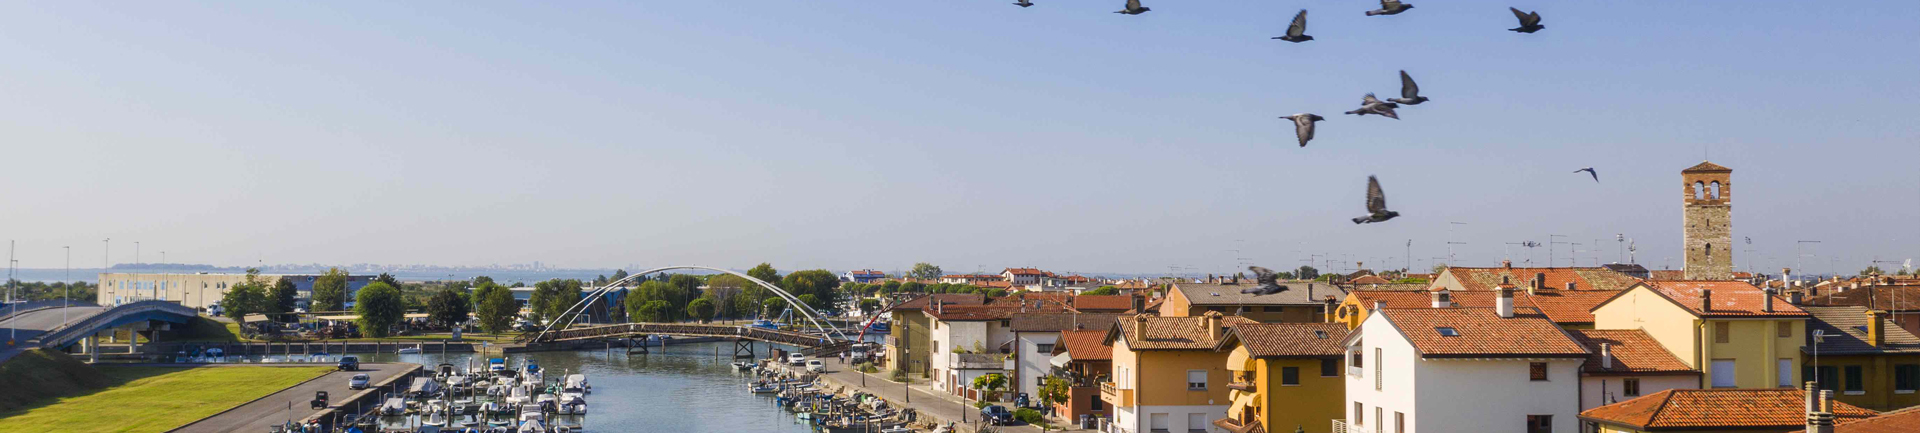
(1303, 123)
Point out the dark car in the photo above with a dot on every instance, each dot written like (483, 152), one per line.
(349, 363)
(996, 415)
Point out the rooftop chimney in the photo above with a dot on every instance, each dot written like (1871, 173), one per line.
(1442, 299)
(1377, 305)
(1706, 300)
(1331, 306)
(1139, 303)
(1504, 303)
(1606, 356)
(1794, 298)
(1309, 290)
(1506, 264)
(1539, 282)
(1819, 415)
(1140, 327)
(1767, 307)
(1876, 333)
(1214, 331)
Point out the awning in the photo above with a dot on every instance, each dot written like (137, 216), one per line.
(1239, 358)
(1240, 406)
(1061, 360)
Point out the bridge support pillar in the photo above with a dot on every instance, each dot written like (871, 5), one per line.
(133, 341)
(93, 348)
(743, 348)
(639, 343)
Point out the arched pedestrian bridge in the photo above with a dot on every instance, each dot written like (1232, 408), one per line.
(86, 322)
(823, 339)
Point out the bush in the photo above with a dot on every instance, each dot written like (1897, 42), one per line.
(898, 375)
(866, 367)
(982, 404)
(1028, 416)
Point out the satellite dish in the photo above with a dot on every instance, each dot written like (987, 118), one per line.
(1909, 264)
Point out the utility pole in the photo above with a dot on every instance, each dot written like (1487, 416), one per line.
(12, 331)
(136, 253)
(106, 256)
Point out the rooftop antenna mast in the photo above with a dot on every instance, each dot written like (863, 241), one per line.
(1550, 244)
(1450, 242)
(1621, 240)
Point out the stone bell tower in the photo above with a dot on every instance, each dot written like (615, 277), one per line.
(1709, 222)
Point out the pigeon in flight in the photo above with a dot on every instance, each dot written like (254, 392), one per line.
(1409, 92)
(1589, 170)
(1133, 8)
(1376, 204)
(1372, 105)
(1297, 32)
(1529, 21)
(1268, 282)
(1303, 126)
(1390, 7)
(1023, 3)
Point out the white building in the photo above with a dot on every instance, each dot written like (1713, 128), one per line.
(1626, 364)
(1036, 334)
(1462, 369)
(966, 343)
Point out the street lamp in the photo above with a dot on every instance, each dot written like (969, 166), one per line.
(66, 293)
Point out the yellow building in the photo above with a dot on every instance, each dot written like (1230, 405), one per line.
(1286, 376)
(1166, 374)
(1864, 358)
(1717, 411)
(1302, 302)
(1735, 334)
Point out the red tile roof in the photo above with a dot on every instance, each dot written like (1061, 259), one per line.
(1024, 271)
(1282, 340)
(1883, 297)
(1730, 299)
(1086, 345)
(1566, 307)
(1172, 333)
(1477, 279)
(1633, 351)
(1369, 279)
(1706, 167)
(978, 313)
(1677, 409)
(950, 299)
(1561, 306)
(1482, 333)
(868, 272)
(1900, 421)
(1667, 275)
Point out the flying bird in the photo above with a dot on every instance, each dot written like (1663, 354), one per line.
(1303, 126)
(1372, 105)
(1376, 204)
(1133, 8)
(1297, 32)
(1589, 170)
(1268, 282)
(1409, 92)
(1023, 3)
(1390, 7)
(1529, 21)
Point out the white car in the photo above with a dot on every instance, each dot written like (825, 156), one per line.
(796, 359)
(359, 381)
(814, 365)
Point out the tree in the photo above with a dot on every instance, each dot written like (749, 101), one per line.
(495, 307)
(813, 302)
(1872, 270)
(701, 309)
(280, 298)
(674, 295)
(765, 272)
(1103, 291)
(1307, 273)
(380, 306)
(619, 274)
(447, 308)
(990, 383)
(925, 271)
(1437, 269)
(818, 282)
(772, 306)
(330, 291)
(389, 279)
(913, 287)
(648, 311)
(868, 306)
(248, 297)
(1054, 390)
(551, 298)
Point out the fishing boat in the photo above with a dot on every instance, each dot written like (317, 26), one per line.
(763, 389)
(742, 366)
(408, 350)
(496, 365)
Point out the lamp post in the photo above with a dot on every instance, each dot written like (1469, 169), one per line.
(66, 299)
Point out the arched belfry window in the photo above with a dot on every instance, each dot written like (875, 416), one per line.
(1714, 192)
(1699, 190)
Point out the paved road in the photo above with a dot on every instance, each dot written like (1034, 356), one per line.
(926, 400)
(31, 324)
(261, 414)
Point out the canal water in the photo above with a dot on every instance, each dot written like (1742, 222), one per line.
(681, 388)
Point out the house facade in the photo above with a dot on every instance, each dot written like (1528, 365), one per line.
(1864, 358)
(1736, 335)
(1084, 361)
(1167, 375)
(1461, 369)
(1626, 364)
(909, 342)
(1285, 377)
(1037, 335)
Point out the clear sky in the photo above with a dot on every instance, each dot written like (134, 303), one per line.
(970, 134)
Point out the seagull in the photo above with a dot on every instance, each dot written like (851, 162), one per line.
(1133, 8)
(1390, 7)
(1297, 32)
(1529, 21)
(1589, 170)
(1376, 204)
(1266, 278)
(1409, 92)
(1372, 105)
(1303, 126)
(1023, 3)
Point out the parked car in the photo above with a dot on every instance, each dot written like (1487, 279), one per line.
(814, 365)
(796, 359)
(349, 363)
(996, 415)
(359, 381)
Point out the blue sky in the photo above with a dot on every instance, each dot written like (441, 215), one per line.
(970, 134)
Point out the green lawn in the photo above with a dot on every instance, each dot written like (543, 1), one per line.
(153, 399)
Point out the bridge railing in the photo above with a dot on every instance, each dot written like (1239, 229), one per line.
(691, 329)
(61, 334)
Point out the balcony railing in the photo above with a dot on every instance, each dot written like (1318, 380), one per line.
(1340, 426)
(1244, 386)
(1115, 396)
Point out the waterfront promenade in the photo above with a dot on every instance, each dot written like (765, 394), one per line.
(926, 400)
(293, 403)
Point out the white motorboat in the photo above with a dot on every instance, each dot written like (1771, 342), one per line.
(577, 382)
(394, 406)
(572, 404)
(408, 350)
(437, 417)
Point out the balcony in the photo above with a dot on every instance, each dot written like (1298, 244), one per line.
(979, 361)
(1236, 426)
(1340, 426)
(1248, 387)
(1115, 396)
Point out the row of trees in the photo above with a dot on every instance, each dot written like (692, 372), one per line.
(39, 291)
(678, 297)
(255, 296)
